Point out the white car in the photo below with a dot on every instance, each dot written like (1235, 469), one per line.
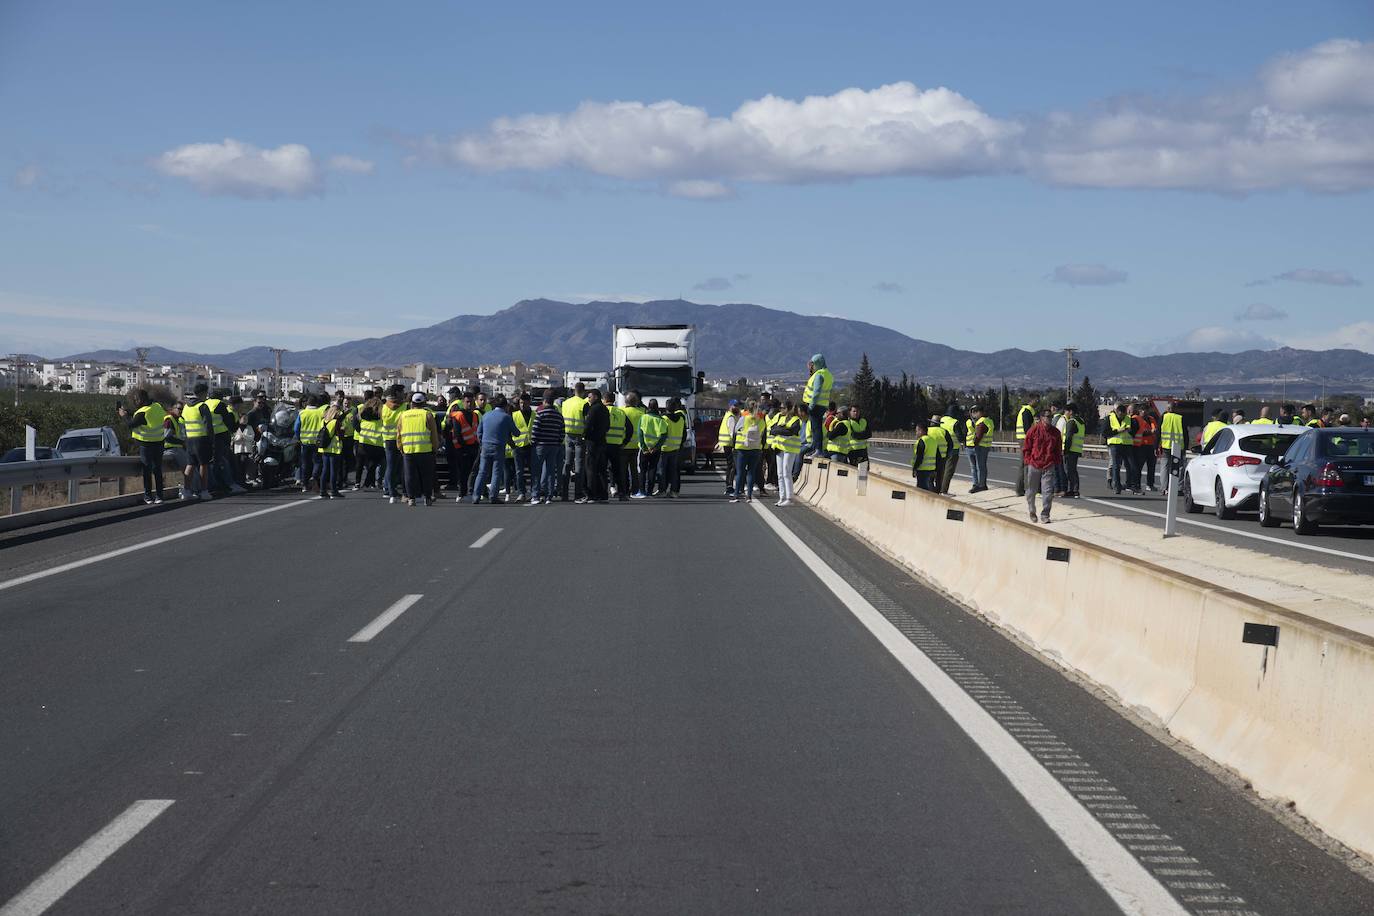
(1227, 474)
(95, 442)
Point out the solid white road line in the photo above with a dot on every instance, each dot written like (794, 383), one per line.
(384, 619)
(1252, 535)
(86, 858)
(485, 539)
(1124, 879)
(77, 564)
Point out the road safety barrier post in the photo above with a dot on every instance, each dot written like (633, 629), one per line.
(1175, 470)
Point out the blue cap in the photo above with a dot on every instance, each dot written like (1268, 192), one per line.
(733, 404)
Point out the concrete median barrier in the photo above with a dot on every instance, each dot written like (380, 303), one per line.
(1290, 718)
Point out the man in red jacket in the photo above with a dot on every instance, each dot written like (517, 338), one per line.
(1041, 450)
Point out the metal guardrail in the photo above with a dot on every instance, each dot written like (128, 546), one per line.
(1094, 451)
(19, 474)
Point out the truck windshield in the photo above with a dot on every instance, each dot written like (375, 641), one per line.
(660, 381)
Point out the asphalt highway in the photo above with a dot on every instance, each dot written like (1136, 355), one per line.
(272, 704)
(1346, 547)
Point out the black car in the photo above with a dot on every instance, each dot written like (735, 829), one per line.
(1325, 478)
(17, 454)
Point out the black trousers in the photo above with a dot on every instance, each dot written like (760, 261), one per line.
(419, 475)
(730, 469)
(150, 454)
(1071, 472)
(466, 468)
(372, 465)
(596, 471)
(615, 463)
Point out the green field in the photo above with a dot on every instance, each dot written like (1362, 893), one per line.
(53, 413)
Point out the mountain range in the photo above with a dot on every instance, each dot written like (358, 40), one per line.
(744, 339)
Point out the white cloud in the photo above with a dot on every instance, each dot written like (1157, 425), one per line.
(352, 164)
(1215, 339)
(1321, 277)
(1334, 74)
(1306, 120)
(894, 129)
(1356, 336)
(237, 169)
(1259, 311)
(714, 284)
(1088, 275)
(26, 177)
(698, 189)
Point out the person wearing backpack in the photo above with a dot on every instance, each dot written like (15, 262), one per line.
(331, 446)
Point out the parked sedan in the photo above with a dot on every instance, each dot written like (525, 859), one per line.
(40, 453)
(1325, 478)
(1227, 475)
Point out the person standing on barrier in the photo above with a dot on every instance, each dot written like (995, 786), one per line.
(978, 443)
(924, 456)
(1042, 449)
(787, 441)
(816, 399)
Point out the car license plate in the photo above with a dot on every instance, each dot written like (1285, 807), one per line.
(1369, 480)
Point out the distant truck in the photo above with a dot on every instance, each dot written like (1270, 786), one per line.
(590, 379)
(659, 361)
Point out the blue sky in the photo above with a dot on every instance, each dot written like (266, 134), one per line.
(210, 176)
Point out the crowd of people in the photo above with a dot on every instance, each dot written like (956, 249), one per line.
(585, 448)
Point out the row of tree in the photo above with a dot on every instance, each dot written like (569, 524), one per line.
(897, 405)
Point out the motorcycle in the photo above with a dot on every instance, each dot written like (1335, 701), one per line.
(278, 448)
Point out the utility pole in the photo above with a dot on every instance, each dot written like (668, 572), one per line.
(17, 373)
(1070, 364)
(277, 352)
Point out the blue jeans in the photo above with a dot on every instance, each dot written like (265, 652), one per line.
(523, 482)
(978, 459)
(330, 467)
(1121, 460)
(391, 479)
(309, 462)
(746, 471)
(548, 464)
(493, 466)
(817, 416)
(670, 471)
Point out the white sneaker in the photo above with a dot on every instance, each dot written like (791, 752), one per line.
(392, 500)
(785, 503)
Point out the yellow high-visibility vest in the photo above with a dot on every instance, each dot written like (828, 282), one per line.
(152, 429)
(412, 431)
